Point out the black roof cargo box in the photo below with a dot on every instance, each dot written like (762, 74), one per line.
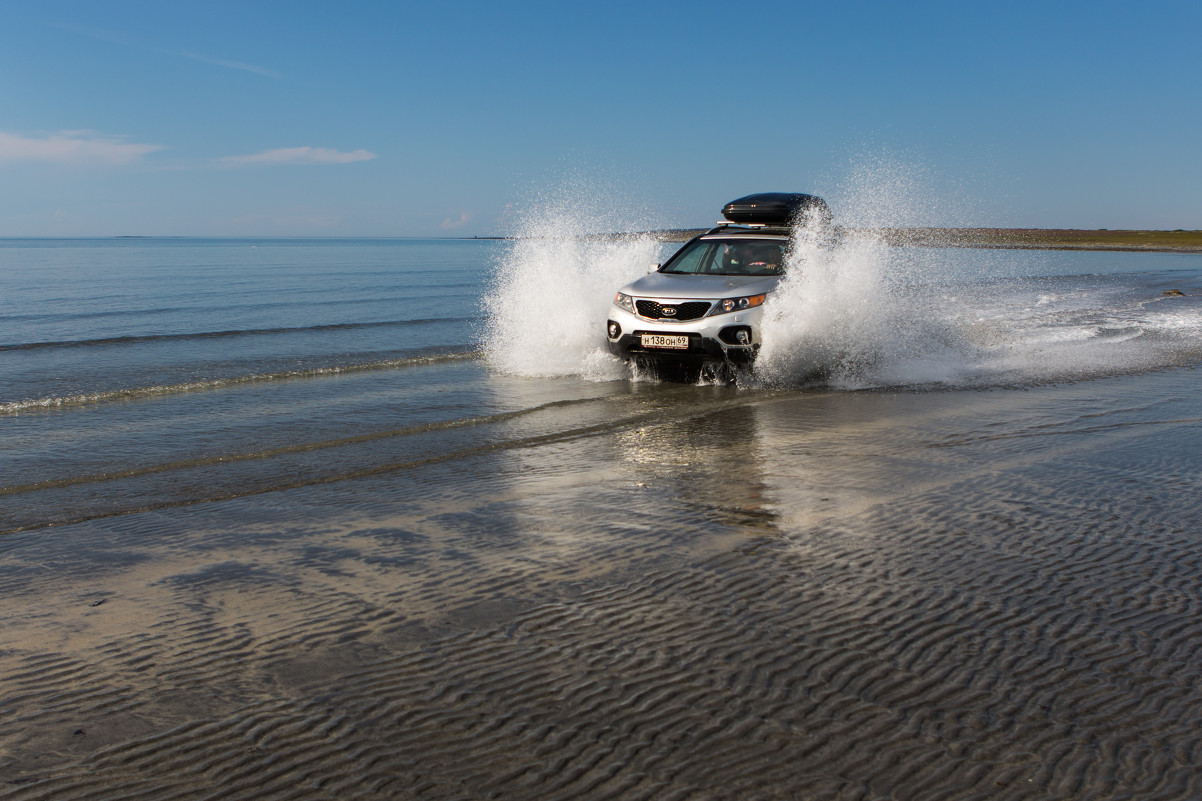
(774, 208)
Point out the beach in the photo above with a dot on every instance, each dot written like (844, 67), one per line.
(985, 594)
(427, 577)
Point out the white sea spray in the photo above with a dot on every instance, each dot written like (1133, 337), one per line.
(553, 286)
(853, 311)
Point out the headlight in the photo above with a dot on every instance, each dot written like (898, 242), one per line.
(737, 304)
(624, 302)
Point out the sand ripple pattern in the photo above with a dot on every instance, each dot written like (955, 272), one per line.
(957, 642)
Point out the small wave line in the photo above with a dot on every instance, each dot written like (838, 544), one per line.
(233, 332)
(641, 419)
(284, 450)
(141, 393)
(1060, 431)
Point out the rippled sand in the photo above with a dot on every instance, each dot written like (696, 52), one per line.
(668, 593)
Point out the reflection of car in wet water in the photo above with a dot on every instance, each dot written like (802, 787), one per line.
(700, 311)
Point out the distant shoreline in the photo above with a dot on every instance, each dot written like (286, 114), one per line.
(1048, 239)
(1147, 241)
(1024, 238)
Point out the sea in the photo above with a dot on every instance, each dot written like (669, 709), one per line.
(146, 372)
(367, 518)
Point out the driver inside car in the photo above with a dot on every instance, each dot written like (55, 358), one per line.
(756, 259)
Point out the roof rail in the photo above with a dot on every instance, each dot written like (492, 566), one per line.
(724, 224)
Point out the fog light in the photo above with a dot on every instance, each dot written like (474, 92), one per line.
(615, 330)
(738, 335)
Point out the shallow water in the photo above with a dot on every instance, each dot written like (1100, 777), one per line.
(145, 373)
(945, 548)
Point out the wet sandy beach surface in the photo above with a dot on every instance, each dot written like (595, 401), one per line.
(684, 592)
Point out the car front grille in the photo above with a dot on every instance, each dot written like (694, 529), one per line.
(690, 310)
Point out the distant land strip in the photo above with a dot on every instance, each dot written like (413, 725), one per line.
(1178, 241)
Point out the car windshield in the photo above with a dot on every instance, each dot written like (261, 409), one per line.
(729, 257)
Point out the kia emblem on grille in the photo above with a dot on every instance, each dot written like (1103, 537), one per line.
(669, 311)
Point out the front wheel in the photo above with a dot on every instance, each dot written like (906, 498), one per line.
(668, 370)
(719, 373)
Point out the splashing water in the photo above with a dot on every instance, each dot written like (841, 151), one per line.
(852, 310)
(855, 312)
(852, 313)
(546, 308)
(860, 313)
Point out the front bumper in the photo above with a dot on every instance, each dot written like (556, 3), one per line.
(711, 339)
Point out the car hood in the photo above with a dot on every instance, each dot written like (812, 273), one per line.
(703, 287)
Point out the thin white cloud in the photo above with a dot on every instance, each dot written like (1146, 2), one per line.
(123, 40)
(296, 155)
(451, 222)
(72, 147)
(297, 221)
(223, 62)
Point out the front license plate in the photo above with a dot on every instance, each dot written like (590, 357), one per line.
(665, 341)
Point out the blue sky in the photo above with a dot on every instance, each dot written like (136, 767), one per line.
(453, 119)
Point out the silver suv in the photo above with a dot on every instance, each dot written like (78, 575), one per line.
(701, 309)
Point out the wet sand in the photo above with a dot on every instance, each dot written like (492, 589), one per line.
(691, 593)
